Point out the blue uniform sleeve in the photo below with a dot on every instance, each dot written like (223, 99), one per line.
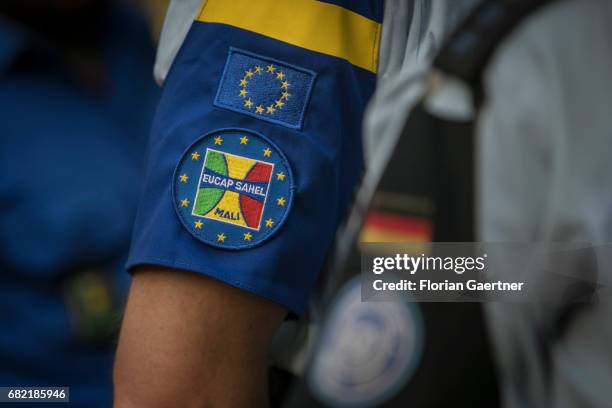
(256, 146)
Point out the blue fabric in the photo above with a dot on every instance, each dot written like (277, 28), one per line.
(70, 160)
(372, 9)
(265, 88)
(325, 157)
(233, 212)
(12, 42)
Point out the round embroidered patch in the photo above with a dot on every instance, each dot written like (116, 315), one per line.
(367, 352)
(233, 189)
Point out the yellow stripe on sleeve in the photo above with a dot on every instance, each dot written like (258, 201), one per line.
(309, 24)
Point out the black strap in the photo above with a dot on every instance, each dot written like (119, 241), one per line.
(469, 49)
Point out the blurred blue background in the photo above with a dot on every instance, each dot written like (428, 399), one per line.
(76, 101)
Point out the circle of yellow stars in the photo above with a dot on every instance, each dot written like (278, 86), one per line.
(280, 176)
(278, 103)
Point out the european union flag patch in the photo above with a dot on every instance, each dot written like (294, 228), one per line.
(265, 88)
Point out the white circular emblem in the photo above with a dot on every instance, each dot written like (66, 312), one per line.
(367, 352)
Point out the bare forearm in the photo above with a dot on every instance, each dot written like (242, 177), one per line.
(191, 341)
